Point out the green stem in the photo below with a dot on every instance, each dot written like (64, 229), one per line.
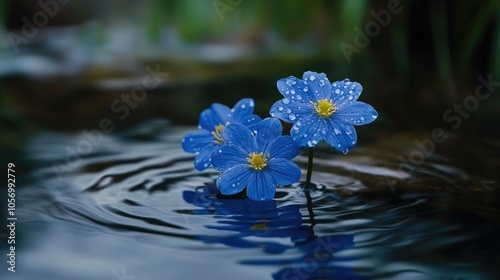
(309, 169)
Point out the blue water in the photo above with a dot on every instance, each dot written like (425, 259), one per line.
(134, 207)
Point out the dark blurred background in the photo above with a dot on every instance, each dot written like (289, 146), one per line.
(67, 65)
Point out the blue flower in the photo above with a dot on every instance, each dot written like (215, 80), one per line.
(320, 110)
(258, 160)
(212, 122)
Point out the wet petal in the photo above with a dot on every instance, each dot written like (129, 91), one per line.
(194, 142)
(309, 131)
(319, 85)
(222, 111)
(242, 109)
(209, 119)
(241, 136)
(358, 113)
(283, 171)
(342, 136)
(294, 90)
(250, 120)
(227, 156)
(283, 147)
(265, 132)
(261, 186)
(203, 160)
(290, 111)
(234, 179)
(345, 92)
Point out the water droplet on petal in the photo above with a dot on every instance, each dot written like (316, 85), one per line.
(321, 83)
(292, 117)
(314, 141)
(305, 89)
(288, 111)
(336, 131)
(299, 97)
(362, 119)
(290, 82)
(312, 78)
(350, 97)
(374, 116)
(286, 101)
(243, 106)
(280, 108)
(292, 91)
(220, 151)
(337, 91)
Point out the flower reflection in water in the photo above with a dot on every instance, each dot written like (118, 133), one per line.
(249, 218)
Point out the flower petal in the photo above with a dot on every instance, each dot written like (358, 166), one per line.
(345, 92)
(294, 90)
(318, 84)
(265, 131)
(283, 171)
(209, 119)
(290, 111)
(222, 111)
(342, 136)
(203, 160)
(358, 113)
(195, 141)
(261, 186)
(243, 108)
(308, 131)
(249, 120)
(234, 179)
(241, 136)
(283, 147)
(227, 156)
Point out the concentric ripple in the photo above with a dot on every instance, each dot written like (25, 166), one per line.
(136, 201)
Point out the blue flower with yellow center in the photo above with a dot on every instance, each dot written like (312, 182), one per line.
(258, 159)
(211, 124)
(320, 110)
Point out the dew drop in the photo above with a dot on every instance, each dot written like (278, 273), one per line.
(243, 106)
(362, 119)
(286, 101)
(220, 151)
(280, 108)
(321, 83)
(337, 91)
(290, 82)
(374, 116)
(312, 78)
(336, 131)
(292, 91)
(314, 141)
(350, 97)
(305, 89)
(288, 111)
(292, 117)
(299, 97)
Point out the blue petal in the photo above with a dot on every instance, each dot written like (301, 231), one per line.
(234, 179)
(241, 136)
(250, 120)
(358, 113)
(222, 111)
(261, 186)
(203, 160)
(209, 119)
(227, 156)
(294, 90)
(243, 108)
(345, 93)
(308, 131)
(318, 84)
(283, 171)
(266, 131)
(283, 147)
(290, 111)
(342, 136)
(195, 141)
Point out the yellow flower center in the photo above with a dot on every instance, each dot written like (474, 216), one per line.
(217, 134)
(324, 108)
(257, 161)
